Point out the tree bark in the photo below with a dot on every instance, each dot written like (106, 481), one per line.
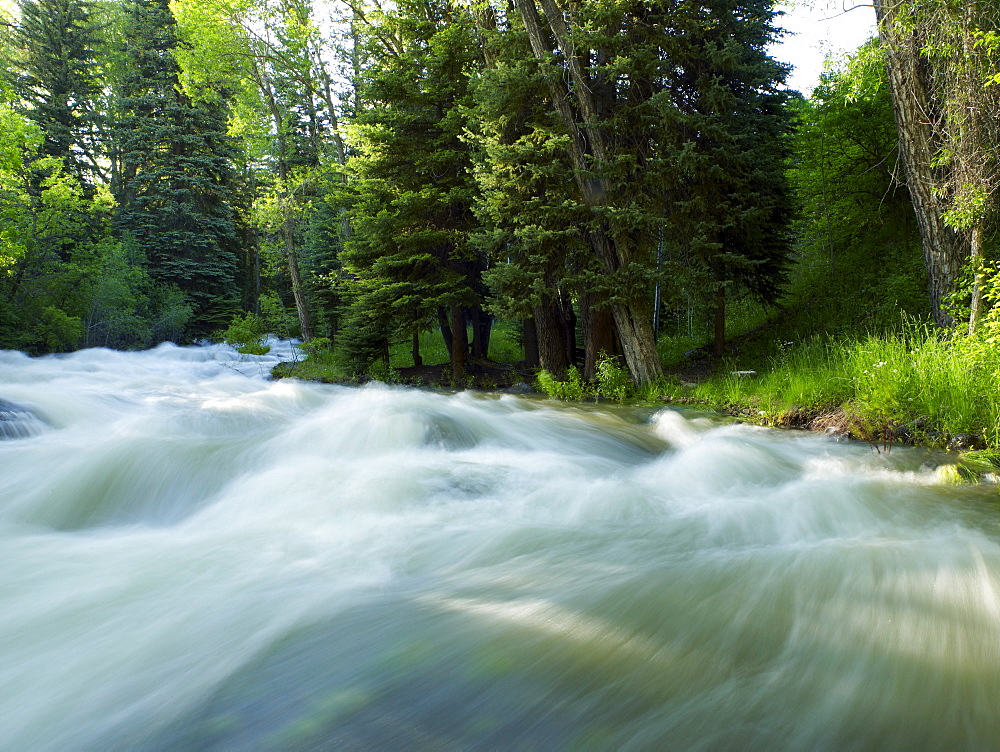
(588, 154)
(550, 327)
(599, 334)
(445, 328)
(917, 116)
(529, 340)
(415, 350)
(459, 342)
(291, 256)
(975, 260)
(482, 325)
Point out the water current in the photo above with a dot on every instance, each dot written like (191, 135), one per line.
(194, 557)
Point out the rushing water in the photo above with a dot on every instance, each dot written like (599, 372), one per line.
(193, 557)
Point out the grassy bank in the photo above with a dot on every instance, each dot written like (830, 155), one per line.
(917, 384)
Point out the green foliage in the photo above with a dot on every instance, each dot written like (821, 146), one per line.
(176, 195)
(858, 261)
(247, 333)
(505, 346)
(56, 74)
(570, 389)
(613, 380)
(116, 309)
(409, 202)
(728, 202)
(914, 376)
(321, 364)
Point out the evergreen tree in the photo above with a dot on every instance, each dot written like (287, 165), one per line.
(57, 76)
(176, 185)
(728, 204)
(408, 253)
(671, 124)
(529, 214)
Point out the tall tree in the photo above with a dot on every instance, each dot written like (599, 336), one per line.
(659, 106)
(583, 92)
(729, 205)
(175, 188)
(275, 56)
(57, 74)
(945, 106)
(408, 253)
(528, 210)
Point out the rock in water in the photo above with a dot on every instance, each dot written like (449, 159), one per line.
(17, 422)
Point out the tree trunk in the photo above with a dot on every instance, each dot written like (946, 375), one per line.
(415, 349)
(301, 306)
(917, 114)
(445, 328)
(550, 328)
(599, 334)
(529, 339)
(482, 325)
(635, 328)
(459, 343)
(719, 340)
(588, 154)
(975, 260)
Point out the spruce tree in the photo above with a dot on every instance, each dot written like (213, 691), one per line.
(408, 254)
(175, 188)
(728, 203)
(56, 74)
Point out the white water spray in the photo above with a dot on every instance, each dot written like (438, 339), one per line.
(193, 557)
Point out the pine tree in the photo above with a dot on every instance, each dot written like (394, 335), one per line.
(671, 125)
(729, 203)
(57, 76)
(529, 215)
(176, 185)
(408, 253)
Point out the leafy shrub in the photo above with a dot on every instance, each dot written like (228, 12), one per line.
(571, 389)
(247, 334)
(613, 381)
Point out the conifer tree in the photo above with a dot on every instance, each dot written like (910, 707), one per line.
(408, 253)
(175, 183)
(728, 202)
(57, 75)
(671, 124)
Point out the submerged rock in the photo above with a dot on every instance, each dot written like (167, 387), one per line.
(18, 422)
(963, 442)
(520, 387)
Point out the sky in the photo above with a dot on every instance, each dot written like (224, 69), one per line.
(820, 28)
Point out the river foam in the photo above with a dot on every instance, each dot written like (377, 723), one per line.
(194, 557)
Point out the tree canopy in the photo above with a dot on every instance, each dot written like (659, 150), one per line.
(363, 174)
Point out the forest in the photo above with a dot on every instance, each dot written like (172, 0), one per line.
(610, 181)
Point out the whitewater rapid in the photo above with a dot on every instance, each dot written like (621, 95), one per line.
(193, 556)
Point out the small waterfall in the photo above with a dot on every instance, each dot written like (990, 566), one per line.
(18, 422)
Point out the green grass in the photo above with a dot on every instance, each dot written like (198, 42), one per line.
(889, 379)
(504, 347)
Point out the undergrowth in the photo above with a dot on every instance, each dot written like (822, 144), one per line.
(612, 382)
(917, 377)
